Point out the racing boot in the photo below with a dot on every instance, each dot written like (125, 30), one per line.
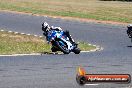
(70, 38)
(53, 49)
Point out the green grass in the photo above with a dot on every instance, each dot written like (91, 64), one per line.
(91, 9)
(85, 46)
(11, 43)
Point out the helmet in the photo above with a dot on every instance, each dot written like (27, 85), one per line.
(129, 26)
(45, 26)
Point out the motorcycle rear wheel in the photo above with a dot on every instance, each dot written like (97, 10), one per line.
(64, 50)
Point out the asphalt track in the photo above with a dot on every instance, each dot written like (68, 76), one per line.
(59, 71)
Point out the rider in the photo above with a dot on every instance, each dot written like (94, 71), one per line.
(129, 30)
(46, 28)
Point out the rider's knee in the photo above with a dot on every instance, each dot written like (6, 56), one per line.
(67, 33)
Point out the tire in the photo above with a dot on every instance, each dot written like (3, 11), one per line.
(65, 51)
(76, 50)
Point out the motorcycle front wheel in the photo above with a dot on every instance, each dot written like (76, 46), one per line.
(76, 50)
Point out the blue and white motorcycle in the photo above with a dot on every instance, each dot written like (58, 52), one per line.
(60, 42)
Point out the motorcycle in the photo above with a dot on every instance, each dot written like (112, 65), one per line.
(60, 42)
(129, 31)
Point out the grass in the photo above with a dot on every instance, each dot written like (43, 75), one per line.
(91, 9)
(11, 43)
(85, 46)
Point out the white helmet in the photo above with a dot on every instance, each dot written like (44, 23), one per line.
(129, 26)
(46, 26)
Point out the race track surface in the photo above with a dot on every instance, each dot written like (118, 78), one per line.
(59, 71)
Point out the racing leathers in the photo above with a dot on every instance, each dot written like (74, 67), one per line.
(129, 30)
(59, 29)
